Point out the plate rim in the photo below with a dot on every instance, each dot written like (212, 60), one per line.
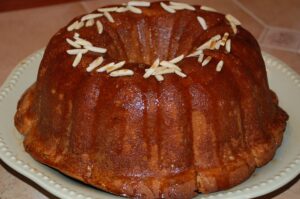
(277, 181)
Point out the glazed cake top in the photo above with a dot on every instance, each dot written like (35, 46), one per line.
(79, 46)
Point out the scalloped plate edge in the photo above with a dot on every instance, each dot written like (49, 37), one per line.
(290, 172)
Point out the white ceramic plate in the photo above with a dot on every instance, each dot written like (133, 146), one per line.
(282, 169)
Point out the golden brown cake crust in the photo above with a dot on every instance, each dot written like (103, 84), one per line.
(148, 139)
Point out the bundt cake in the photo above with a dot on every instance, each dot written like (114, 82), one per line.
(152, 100)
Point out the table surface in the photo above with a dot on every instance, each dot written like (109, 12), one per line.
(274, 23)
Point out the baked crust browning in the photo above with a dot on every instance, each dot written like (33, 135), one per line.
(142, 138)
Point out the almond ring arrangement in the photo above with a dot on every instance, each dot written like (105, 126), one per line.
(158, 68)
(152, 100)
